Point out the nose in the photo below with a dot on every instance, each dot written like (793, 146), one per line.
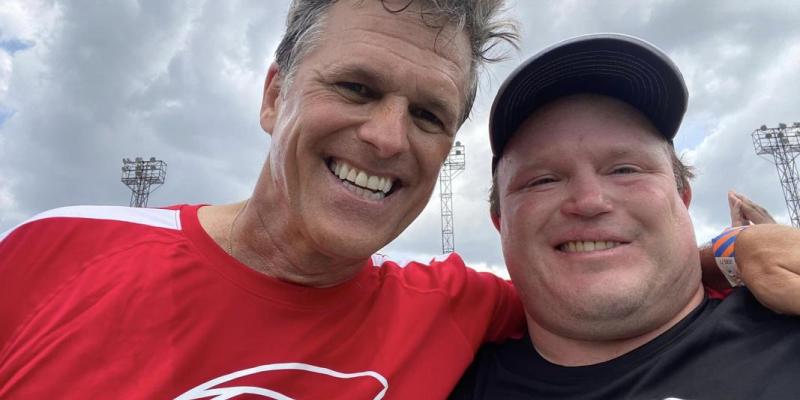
(387, 129)
(587, 197)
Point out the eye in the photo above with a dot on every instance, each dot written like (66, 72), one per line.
(544, 180)
(427, 120)
(355, 91)
(624, 170)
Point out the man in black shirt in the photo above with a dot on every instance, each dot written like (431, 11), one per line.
(591, 202)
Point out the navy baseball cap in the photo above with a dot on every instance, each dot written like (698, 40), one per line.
(615, 65)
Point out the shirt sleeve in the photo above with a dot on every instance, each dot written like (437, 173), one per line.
(484, 306)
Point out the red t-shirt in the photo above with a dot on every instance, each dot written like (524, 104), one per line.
(117, 302)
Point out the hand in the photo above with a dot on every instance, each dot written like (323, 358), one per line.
(768, 257)
(745, 212)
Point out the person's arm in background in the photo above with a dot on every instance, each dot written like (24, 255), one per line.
(767, 255)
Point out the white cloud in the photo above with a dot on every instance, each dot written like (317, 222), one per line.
(26, 20)
(6, 67)
(182, 80)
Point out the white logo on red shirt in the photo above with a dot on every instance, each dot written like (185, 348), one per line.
(210, 389)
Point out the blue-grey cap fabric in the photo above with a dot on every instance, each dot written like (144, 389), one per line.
(615, 65)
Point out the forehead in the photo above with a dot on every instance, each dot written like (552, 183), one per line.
(405, 20)
(587, 120)
(390, 36)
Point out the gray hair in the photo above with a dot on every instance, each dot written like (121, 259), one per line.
(478, 18)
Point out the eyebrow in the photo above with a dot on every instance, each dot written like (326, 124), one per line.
(622, 152)
(628, 151)
(369, 76)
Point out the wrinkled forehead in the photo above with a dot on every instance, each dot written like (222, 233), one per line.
(396, 17)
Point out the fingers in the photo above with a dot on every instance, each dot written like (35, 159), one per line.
(750, 211)
(735, 205)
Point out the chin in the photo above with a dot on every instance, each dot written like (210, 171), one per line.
(612, 300)
(354, 244)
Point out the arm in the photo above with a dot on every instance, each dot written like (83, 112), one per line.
(768, 257)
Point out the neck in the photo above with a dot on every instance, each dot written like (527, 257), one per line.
(266, 244)
(573, 352)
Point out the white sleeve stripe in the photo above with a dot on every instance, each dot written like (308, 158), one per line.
(169, 219)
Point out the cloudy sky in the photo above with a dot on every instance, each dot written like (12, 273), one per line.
(85, 83)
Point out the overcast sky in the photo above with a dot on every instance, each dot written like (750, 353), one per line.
(85, 83)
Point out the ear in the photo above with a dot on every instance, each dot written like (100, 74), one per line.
(686, 194)
(271, 100)
(495, 220)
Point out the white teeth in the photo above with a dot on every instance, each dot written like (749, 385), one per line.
(387, 185)
(372, 182)
(361, 179)
(587, 245)
(344, 169)
(378, 186)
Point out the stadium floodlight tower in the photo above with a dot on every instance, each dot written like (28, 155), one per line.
(143, 177)
(783, 143)
(453, 165)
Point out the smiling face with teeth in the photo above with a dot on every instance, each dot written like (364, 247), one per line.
(595, 234)
(360, 132)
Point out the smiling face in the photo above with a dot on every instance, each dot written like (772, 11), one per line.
(595, 235)
(360, 133)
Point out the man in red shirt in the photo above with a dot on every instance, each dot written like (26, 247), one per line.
(279, 295)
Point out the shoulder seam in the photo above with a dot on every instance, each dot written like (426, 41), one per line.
(155, 217)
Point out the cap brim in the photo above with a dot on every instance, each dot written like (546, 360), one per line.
(615, 65)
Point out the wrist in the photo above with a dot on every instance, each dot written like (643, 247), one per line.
(723, 247)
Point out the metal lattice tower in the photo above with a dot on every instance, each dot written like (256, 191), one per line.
(452, 166)
(783, 143)
(143, 177)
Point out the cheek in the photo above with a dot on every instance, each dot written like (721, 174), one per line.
(521, 229)
(652, 200)
(664, 211)
(522, 212)
(430, 152)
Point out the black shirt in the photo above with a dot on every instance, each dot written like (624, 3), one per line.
(731, 349)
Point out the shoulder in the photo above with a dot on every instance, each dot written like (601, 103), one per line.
(75, 215)
(87, 229)
(743, 306)
(506, 364)
(447, 272)
(469, 291)
(156, 217)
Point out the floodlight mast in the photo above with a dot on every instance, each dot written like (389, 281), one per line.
(783, 143)
(143, 177)
(453, 165)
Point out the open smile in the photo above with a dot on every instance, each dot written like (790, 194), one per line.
(362, 183)
(582, 246)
